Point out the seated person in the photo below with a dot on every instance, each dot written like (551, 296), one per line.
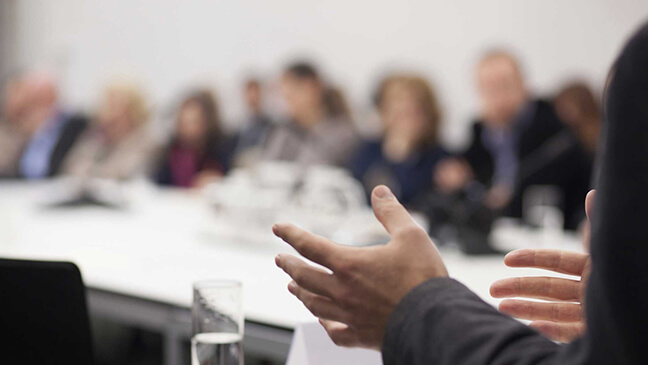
(399, 299)
(198, 151)
(117, 146)
(578, 108)
(12, 141)
(316, 133)
(405, 157)
(258, 124)
(517, 143)
(51, 132)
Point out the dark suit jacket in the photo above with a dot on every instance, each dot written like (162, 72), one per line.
(442, 322)
(73, 128)
(547, 154)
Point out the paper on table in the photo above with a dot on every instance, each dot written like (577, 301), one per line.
(312, 346)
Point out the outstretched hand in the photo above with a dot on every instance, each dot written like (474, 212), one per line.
(561, 316)
(355, 297)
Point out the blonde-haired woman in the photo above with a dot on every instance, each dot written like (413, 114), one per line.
(405, 157)
(117, 146)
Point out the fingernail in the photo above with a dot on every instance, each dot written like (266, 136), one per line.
(277, 260)
(383, 192)
(292, 286)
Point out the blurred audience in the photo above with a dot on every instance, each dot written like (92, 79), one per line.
(199, 151)
(318, 131)
(117, 146)
(51, 131)
(12, 141)
(577, 106)
(258, 125)
(517, 142)
(405, 157)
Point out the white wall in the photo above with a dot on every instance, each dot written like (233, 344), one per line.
(7, 9)
(171, 45)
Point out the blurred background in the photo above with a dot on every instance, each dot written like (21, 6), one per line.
(154, 143)
(170, 45)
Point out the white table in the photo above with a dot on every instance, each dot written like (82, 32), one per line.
(139, 264)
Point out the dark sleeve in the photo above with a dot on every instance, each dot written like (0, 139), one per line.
(227, 150)
(478, 157)
(71, 132)
(162, 173)
(362, 159)
(219, 155)
(442, 322)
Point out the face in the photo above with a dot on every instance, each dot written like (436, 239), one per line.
(253, 96)
(402, 112)
(192, 126)
(115, 119)
(502, 91)
(38, 103)
(14, 101)
(302, 96)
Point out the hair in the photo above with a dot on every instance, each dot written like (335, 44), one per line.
(138, 108)
(333, 99)
(206, 100)
(501, 53)
(426, 96)
(302, 70)
(581, 94)
(336, 104)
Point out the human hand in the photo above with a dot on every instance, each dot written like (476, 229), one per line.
(452, 174)
(498, 197)
(562, 317)
(206, 177)
(355, 299)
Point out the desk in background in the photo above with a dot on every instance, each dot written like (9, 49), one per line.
(139, 263)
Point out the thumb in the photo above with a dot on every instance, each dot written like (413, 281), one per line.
(389, 211)
(589, 203)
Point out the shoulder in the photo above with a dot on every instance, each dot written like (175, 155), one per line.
(546, 117)
(370, 146)
(368, 150)
(544, 106)
(340, 127)
(433, 154)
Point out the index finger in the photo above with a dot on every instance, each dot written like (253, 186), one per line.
(565, 262)
(313, 247)
(545, 288)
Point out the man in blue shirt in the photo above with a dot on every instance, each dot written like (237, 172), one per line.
(51, 131)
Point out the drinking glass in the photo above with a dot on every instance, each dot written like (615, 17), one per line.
(541, 208)
(217, 317)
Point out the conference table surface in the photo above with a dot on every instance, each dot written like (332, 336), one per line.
(165, 241)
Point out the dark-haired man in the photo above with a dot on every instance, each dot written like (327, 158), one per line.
(315, 134)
